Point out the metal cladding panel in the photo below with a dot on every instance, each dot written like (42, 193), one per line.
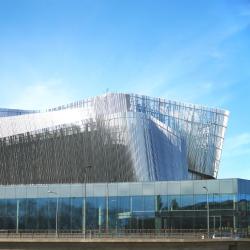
(32, 192)
(112, 189)
(228, 186)
(55, 190)
(9, 192)
(89, 190)
(243, 186)
(199, 184)
(123, 189)
(76, 190)
(187, 187)
(213, 186)
(135, 188)
(100, 189)
(201, 128)
(174, 188)
(122, 137)
(148, 188)
(21, 191)
(161, 188)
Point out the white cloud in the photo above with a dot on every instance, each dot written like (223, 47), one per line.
(237, 145)
(216, 54)
(235, 157)
(42, 95)
(176, 75)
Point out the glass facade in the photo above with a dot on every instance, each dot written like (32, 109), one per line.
(118, 206)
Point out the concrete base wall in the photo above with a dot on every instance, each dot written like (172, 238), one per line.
(124, 245)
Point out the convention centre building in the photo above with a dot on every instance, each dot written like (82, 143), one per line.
(118, 162)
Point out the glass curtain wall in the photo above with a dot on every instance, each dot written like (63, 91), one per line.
(228, 212)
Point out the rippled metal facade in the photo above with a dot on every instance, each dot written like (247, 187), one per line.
(124, 137)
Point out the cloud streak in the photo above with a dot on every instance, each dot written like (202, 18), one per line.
(237, 145)
(43, 95)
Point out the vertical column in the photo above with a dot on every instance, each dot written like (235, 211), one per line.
(131, 211)
(84, 215)
(100, 216)
(234, 212)
(107, 209)
(17, 216)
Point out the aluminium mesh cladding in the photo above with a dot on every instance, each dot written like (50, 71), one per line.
(124, 137)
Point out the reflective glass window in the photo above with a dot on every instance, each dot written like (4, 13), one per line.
(91, 213)
(200, 202)
(124, 203)
(2, 213)
(2, 208)
(242, 202)
(42, 213)
(200, 222)
(145, 220)
(8, 214)
(174, 202)
(124, 212)
(113, 211)
(31, 214)
(149, 203)
(174, 222)
(10, 223)
(52, 213)
(248, 202)
(64, 214)
(227, 222)
(187, 220)
(227, 201)
(101, 205)
(22, 213)
(11, 207)
(214, 201)
(149, 220)
(187, 202)
(137, 203)
(95, 212)
(77, 212)
(162, 202)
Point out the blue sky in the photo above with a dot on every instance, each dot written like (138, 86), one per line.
(54, 52)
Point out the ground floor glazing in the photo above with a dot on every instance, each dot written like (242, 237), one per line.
(227, 212)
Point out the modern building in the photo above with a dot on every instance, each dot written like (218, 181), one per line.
(124, 137)
(118, 162)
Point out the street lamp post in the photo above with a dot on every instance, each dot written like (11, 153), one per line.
(207, 212)
(85, 196)
(52, 192)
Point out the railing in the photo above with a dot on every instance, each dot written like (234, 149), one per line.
(123, 234)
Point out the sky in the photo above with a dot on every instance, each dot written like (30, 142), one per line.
(53, 52)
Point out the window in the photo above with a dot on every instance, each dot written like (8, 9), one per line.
(162, 203)
(187, 202)
(76, 213)
(174, 202)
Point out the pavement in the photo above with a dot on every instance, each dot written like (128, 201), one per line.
(123, 244)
